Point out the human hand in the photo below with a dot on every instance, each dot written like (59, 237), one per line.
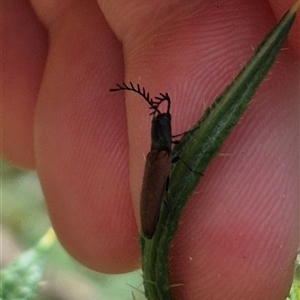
(238, 235)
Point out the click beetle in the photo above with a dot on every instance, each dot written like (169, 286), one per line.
(158, 160)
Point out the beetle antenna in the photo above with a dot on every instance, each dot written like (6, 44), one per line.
(142, 92)
(162, 98)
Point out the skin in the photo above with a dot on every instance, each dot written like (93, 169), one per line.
(238, 236)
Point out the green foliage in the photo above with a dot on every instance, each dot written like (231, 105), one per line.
(295, 289)
(21, 279)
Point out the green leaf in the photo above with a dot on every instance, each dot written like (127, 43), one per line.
(295, 289)
(20, 280)
(197, 148)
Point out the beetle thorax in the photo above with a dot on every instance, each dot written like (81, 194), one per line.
(161, 133)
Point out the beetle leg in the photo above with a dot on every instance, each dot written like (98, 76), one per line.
(177, 158)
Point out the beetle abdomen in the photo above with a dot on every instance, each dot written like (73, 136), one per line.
(157, 170)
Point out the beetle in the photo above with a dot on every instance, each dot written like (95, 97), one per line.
(158, 160)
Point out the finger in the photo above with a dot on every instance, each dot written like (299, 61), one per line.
(24, 49)
(239, 231)
(81, 139)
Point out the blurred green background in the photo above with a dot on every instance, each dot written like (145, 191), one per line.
(24, 220)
